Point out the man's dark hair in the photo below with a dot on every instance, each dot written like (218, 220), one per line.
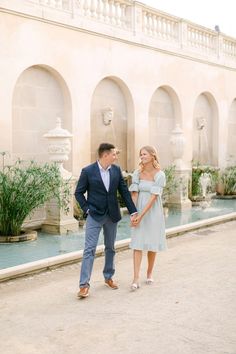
(105, 147)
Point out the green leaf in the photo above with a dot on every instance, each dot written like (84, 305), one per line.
(26, 186)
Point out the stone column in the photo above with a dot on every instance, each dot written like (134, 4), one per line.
(59, 147)
(179, 199)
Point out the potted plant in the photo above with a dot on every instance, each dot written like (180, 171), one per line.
(25, 186)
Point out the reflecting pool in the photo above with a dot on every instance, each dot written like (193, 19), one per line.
(52, 245)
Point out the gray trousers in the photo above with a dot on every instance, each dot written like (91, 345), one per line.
(92, 232)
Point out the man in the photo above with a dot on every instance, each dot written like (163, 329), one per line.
(101, 180)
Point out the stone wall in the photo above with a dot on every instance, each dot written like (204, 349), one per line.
(76, 59)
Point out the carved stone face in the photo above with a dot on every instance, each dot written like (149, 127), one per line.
(201, 122)
(107, 115)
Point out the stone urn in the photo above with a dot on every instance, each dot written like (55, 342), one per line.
(177, 142)
(59, 147)
(179, 199)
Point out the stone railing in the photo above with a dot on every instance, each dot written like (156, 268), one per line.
(108, 11)
(160, 25)
(229, 47)
(133, 21)
(111, 12)
(202, 39)
(57, 4)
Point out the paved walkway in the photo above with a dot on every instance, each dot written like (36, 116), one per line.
(191, 308)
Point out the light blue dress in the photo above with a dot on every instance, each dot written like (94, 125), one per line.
(149, 235)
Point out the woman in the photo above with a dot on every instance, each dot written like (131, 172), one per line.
(148, 231)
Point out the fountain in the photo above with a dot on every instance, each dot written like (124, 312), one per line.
(205, 182)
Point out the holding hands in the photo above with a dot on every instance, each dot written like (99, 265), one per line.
(135, 219)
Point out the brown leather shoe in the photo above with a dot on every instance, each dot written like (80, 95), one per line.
(84, 292)
(111, 284)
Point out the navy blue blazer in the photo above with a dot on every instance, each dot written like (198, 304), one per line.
(99, 201)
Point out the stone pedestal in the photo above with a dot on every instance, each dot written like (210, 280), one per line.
(57, 220)
(179, 199)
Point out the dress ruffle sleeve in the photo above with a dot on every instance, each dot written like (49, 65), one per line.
(159, 183)
(134, 187)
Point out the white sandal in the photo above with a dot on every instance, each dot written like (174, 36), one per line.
(134, 286)
(149, 281)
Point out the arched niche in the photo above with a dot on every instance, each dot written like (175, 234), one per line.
(205, 130)
(40, 96)
(112, 116)
(164, 114)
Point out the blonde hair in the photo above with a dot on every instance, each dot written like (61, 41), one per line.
(153, 152)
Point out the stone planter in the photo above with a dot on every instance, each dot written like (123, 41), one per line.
(24, 236)
(231, 196)
(220, 188)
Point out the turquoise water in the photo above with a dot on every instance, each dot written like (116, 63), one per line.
(53, 245)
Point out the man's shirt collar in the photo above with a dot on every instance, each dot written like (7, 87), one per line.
(101, 168)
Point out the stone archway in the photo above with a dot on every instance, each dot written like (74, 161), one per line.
(164, 114)
(112, 116)
(40, 96)
(231, 141)
(205, 128)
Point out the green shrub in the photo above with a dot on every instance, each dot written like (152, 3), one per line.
(24, 187)
(228, 180)
(171, 183)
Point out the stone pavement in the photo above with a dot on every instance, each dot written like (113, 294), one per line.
(190, 309)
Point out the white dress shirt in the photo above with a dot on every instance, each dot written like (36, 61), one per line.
(105, 174)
